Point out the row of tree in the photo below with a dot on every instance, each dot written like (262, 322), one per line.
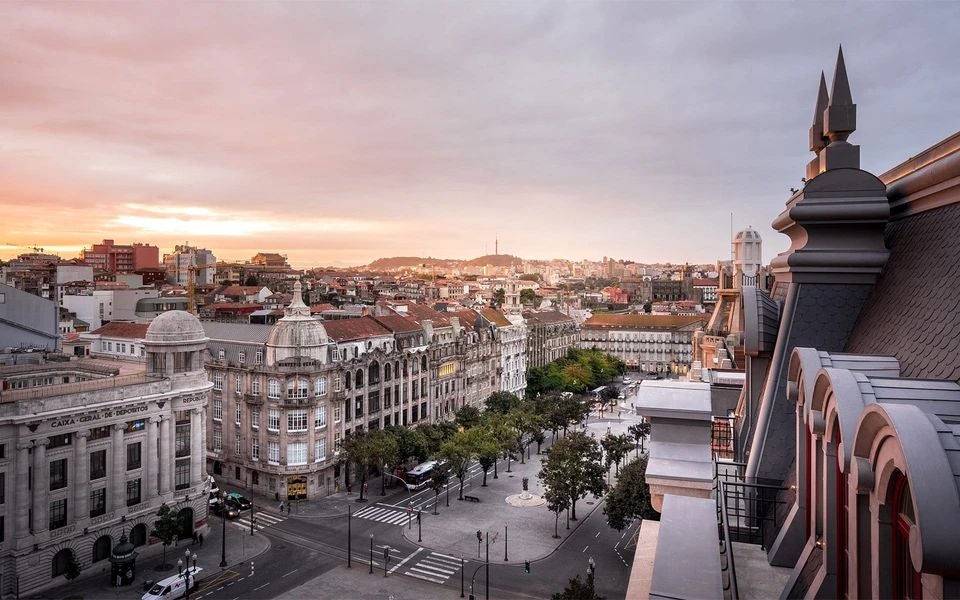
(579, 371)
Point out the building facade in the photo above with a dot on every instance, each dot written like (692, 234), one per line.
(549, 335)
(27, 321)
(661, 344)
(90, 455)
(185, 257)
(512, 337)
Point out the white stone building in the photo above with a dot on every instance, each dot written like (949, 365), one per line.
(104, 451)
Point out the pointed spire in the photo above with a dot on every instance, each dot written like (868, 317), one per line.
(840, 91)
(823, 99)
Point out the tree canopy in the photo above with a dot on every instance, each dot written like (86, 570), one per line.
(630, 497)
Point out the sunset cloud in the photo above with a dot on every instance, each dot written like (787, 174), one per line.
(339, 132)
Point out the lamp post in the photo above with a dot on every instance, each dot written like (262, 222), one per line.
(223, 540)
(349, 537)
(186, 572)
(371, 554)
(419, 526)
(591, 569)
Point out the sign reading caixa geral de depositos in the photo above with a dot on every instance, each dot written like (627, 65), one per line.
(94, 418)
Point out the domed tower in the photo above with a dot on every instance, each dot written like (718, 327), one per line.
(174, 344)
(297, 333)
(746, 255)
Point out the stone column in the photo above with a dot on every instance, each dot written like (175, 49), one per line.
(164, 454)
(22, 524)
(81, 470)
(118, 480)
(151, 486)
(196, 447)
(41, 485)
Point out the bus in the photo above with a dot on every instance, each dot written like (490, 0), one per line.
(418, 477)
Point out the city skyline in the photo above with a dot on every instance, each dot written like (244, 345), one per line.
(332, 133)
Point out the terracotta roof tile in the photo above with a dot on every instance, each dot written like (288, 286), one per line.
(343, 330)
(643, 321)
(123, 329)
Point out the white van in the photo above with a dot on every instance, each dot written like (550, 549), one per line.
(173, 586)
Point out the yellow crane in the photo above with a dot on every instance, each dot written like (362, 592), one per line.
(192, 287)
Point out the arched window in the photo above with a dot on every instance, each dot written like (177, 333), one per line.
(102, 547)
(406, 371)
(358, 379)
(373, 373)
(841, 514)
(906, 580)
(423, 364)
(273, 388)
(297, 388)
(387, 375)
(60, 562)
(138, 535)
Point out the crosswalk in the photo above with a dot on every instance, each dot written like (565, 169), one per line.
(262, 520)
(376, 512)
(434, 567)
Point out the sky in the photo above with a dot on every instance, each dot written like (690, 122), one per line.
(337, 133)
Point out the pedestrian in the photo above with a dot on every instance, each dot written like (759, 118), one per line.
(195, 539)
(201, 540)
(281, 506)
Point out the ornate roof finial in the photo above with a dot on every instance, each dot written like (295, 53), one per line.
(839, 121)
(817, 140)
(297, 307)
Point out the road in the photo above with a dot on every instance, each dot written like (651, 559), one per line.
(304, 548)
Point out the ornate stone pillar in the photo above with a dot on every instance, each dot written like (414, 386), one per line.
(152, 457)
(81, 470)
(22, 524)
(118, 481)
(41, 485)
(164, 454)
(196, 447)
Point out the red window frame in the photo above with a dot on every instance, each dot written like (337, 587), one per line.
(906, 581)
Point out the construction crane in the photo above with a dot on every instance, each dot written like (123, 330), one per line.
(192, 271)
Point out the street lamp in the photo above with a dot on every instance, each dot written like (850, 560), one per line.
(371, 554)
(223, 540)
(591, 569)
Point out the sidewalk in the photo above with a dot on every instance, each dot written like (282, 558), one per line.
(93, 580)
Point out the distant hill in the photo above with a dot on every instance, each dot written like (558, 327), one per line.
(398, 262)
(497, 260)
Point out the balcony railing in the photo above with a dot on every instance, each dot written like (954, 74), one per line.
(722, 438)
(728, 567)
(752, 510)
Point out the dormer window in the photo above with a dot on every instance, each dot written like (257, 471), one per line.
(220, 354)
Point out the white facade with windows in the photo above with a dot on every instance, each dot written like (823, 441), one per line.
(103, 454)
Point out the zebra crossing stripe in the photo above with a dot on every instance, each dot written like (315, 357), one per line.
(424, 577)
(423, 564)
(446, 556)
(444, 563)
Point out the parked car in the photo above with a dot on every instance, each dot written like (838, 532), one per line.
(174, 586)
(226, 509)
(240, 500)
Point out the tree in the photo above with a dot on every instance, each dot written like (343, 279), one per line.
(573, 466)
(502, 402)
(557, 499)
(439, 477)
(383, 452)
(358, 451)
(630, 497)
(639, 431)
(468, 416)
(528, 296)
(499, 297)
(578, 590)
(487, 452)
(459, 452)
(411, 443)
(165, 529)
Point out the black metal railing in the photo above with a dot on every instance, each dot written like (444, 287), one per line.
(727, 564)
(751, 510)
(722, 438)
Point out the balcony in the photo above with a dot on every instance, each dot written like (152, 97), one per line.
(255, 399)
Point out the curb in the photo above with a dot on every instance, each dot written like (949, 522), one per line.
(573, 530)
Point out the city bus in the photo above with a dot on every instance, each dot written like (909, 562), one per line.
(418, 477)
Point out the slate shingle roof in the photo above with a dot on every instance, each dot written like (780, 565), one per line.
(914, 310)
